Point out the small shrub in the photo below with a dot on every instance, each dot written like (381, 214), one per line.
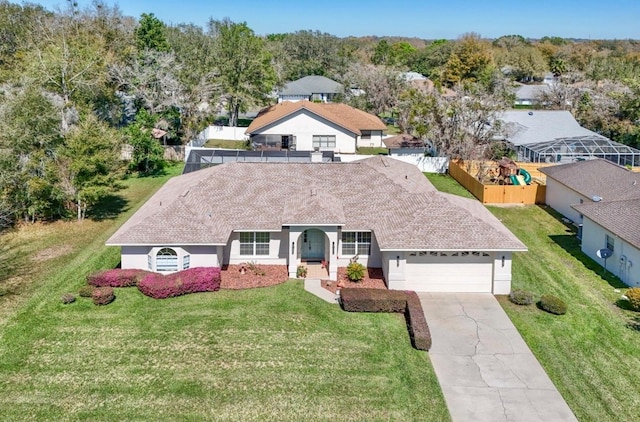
(355, 271)
(553, 305)
(68, 298)
(116, 277)
(86, 291)
(301, 272)
(193, 280)
(521, 297)
(373, 300)
(417, 323)
(253, 267)
(103, 296)
(633, 294)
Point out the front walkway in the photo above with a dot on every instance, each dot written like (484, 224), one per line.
(485, 369)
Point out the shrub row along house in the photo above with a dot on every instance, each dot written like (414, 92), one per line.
(309, 126)
(381, 210)
(603, 200)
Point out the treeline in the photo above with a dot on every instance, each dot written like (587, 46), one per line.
(78, 84)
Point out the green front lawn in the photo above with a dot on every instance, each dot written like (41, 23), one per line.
(592, 353)
(274, 353)
(225, 143)
(372, 151)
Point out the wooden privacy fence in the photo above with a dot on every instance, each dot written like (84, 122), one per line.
(501, 194)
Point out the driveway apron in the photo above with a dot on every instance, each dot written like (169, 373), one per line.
(485, 369)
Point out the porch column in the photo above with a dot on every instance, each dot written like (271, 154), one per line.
(333, 254)
(293, 248)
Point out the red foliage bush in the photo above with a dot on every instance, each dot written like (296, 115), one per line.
(193, 280)
(116, 278)
(417, 323)
(103, 295)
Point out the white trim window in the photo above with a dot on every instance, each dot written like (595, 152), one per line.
(324, 141)
(356, 243)
(254, 243)
(186, 262)
(609, 242)
(167, 260)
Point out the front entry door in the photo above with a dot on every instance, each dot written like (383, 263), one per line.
(313, 244)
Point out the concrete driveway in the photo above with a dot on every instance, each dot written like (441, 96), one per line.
(485, 369)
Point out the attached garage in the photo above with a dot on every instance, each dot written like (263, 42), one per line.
(449, 272)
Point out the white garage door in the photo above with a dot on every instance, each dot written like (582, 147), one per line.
(449, 272)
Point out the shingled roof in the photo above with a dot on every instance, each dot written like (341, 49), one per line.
(597, 178)
(309, 85)
(619, 217)
(389, 197)
(347, 117)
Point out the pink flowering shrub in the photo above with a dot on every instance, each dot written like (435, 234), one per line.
(116, 278)
(103, 295)
(193, 280)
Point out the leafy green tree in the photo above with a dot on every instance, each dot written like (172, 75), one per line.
(470, 61)
(382, 53)
(147, 155)
(430, 60)
(88, 164)
(150, 34)
(243, 66)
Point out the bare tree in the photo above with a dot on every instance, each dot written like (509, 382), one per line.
(376, 88)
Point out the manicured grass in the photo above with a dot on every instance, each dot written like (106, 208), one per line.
(372, 151)
(275, 353)
(225, 143)
(591, 353)
(446, 183)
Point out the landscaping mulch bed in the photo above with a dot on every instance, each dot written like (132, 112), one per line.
(373, 279)
(232, 279)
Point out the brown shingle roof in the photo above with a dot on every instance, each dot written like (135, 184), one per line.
(387, 196)
(619, 217)
(597, 178)
(403, 140)
(345, 116)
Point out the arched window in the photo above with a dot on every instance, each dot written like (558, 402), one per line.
(167, 260)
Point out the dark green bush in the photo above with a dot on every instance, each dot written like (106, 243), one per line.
(417, 323)
(103, 295)
(301, 271)
(68, 298)
(633, 294)
(379, 300)
(521, 297)
(355, 271)
(86, 291)
(373, 300)
(553, 305)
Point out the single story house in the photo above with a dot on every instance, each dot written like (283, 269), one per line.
(603, 200)
(311, 88)
(380, 210)
(308, 126)
(405, 144)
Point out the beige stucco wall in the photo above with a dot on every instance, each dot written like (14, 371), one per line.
(560, 198)
(375, 141)
(625, 261)
(200, 256)
(277, 243)
(303, 125)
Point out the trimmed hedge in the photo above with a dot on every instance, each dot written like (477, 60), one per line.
(633, 294)
(521, 297)
(103, 296)
(379, 300)
(417, 323)
(193, 280)
(117, 277)
(553, 305)
(373, 300)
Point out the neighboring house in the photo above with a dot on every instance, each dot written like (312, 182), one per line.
(381, 210)
(603, 200)
(312, 88)
(556, 137)
(405, 144)
(529, 94)
(308, 126)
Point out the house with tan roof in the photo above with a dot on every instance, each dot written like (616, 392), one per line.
(380, 210)
(603, 200)
(309, 126)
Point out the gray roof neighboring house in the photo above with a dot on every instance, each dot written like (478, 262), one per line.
(597, 177)
(521, 127)
(389, 197)
(619, 217)
(310, 85)
(530, 92)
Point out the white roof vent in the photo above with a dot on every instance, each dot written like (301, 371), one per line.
(596, 198)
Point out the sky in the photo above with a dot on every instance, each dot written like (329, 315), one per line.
(427, 19)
